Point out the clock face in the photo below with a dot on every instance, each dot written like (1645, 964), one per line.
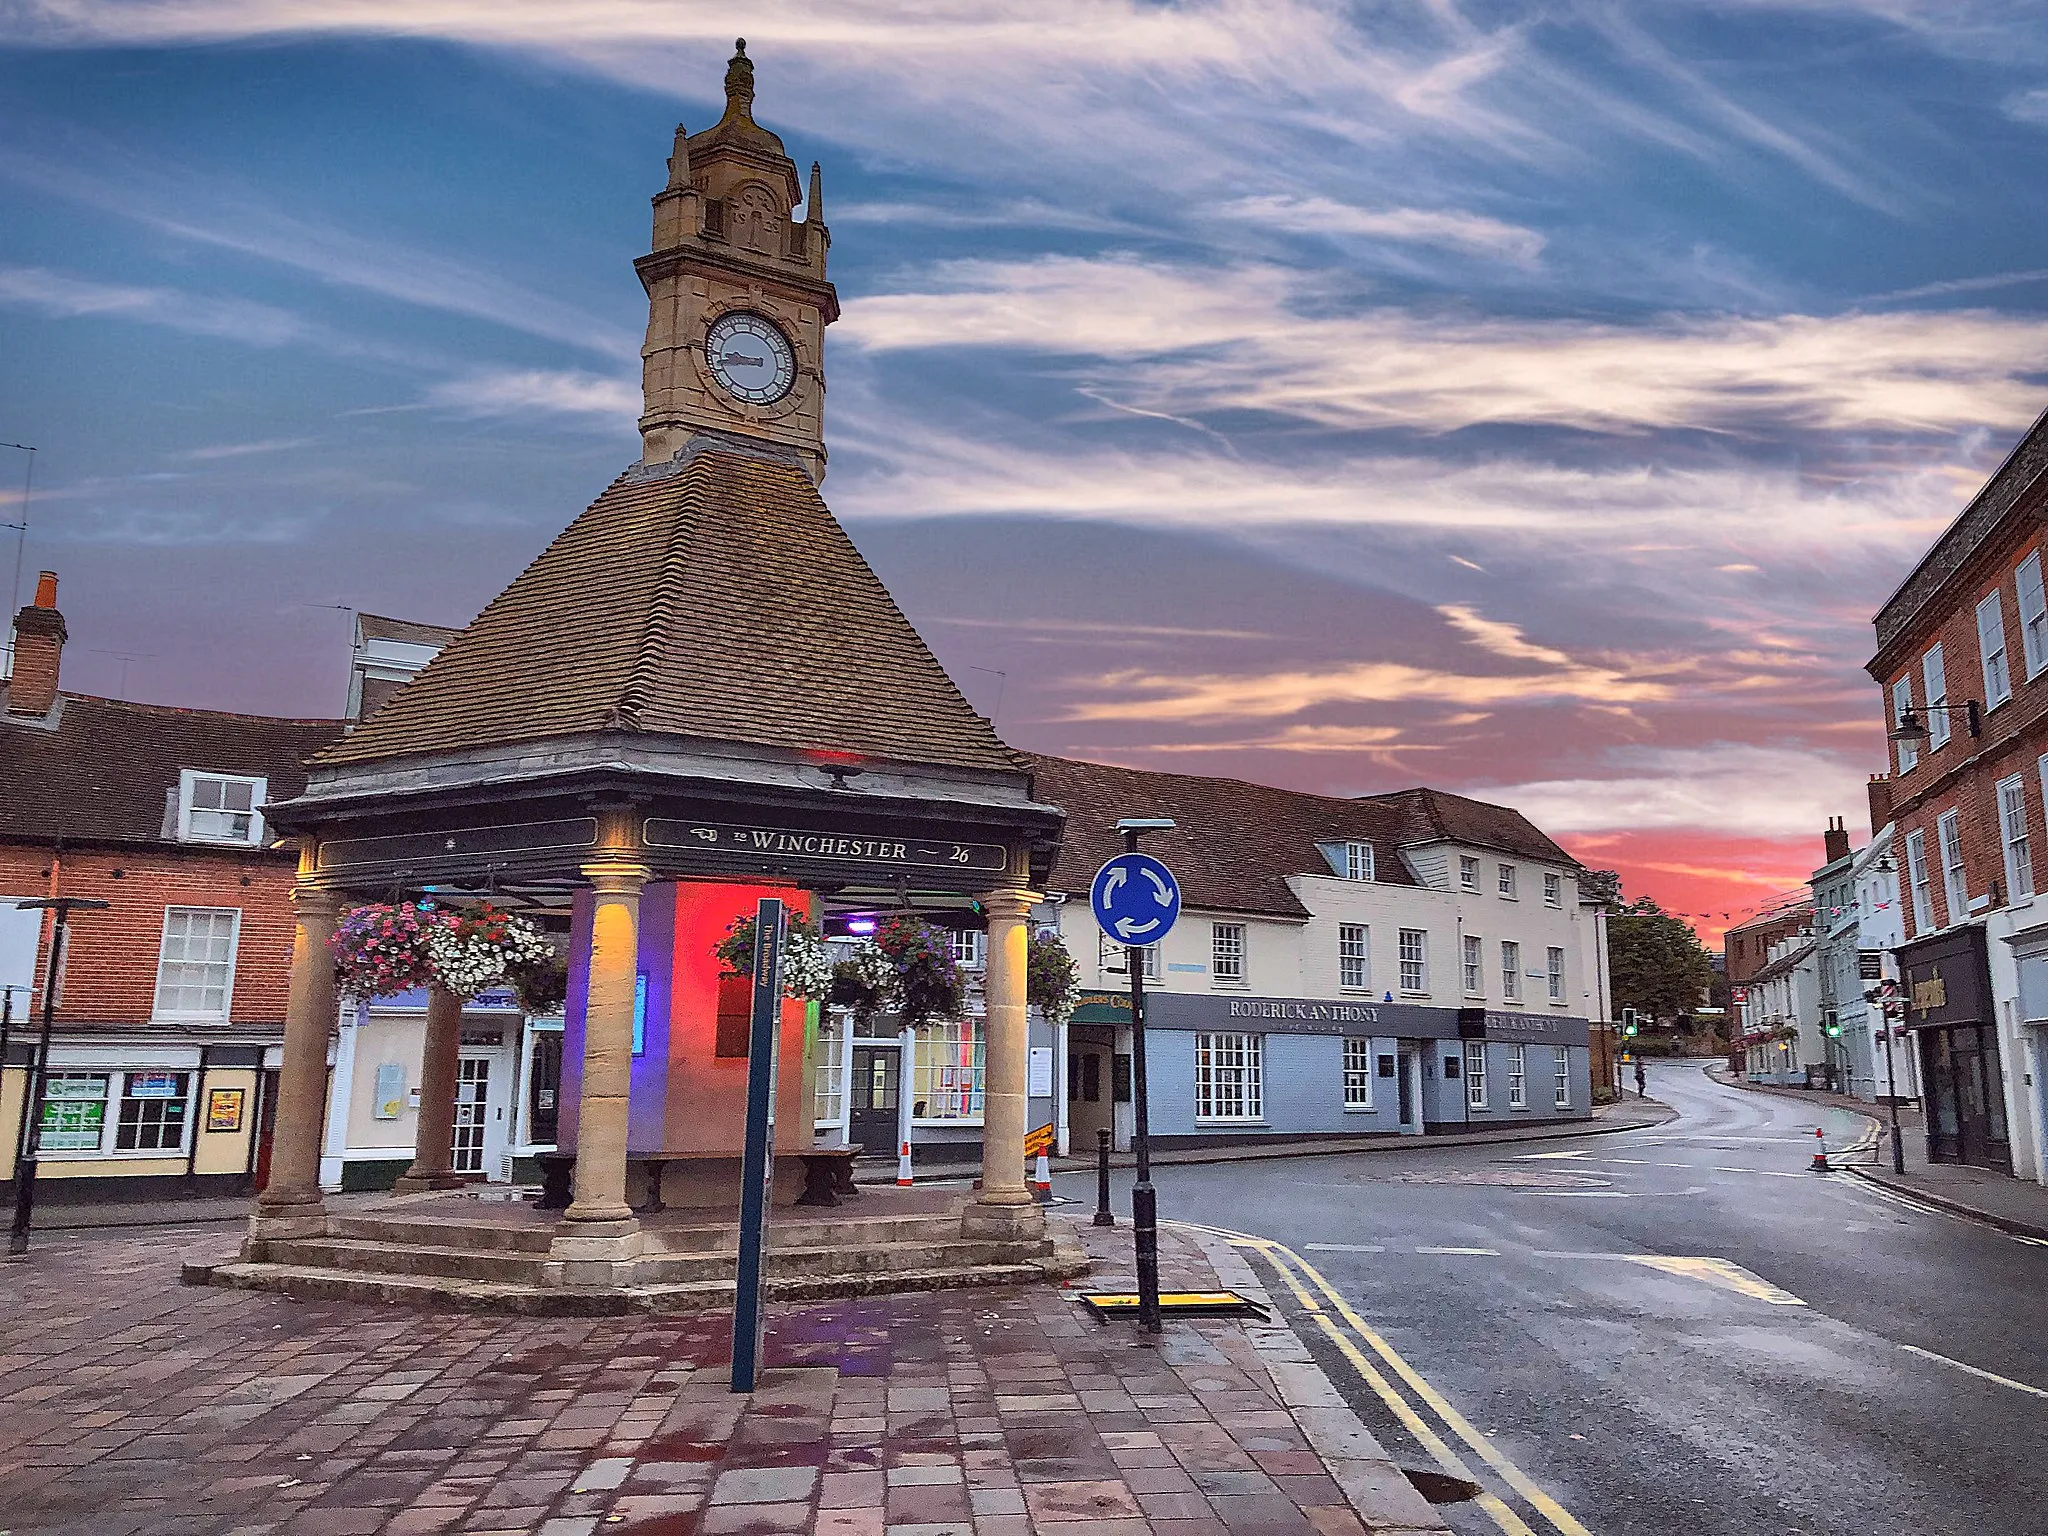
(751, 358)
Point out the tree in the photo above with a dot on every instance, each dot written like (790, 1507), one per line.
(1602, 887)
(1655, 962)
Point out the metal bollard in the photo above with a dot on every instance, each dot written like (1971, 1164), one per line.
(1102, 1216)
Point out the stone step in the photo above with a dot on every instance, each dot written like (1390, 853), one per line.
(784, 1231)
(410, 1260)
(311, 1283)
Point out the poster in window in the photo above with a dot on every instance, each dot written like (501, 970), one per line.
(156, 1085)
(224, 1109)
(74, 1120)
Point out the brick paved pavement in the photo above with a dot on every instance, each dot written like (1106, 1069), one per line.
(131, 1404)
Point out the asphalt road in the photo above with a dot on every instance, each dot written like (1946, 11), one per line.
(1816, 1379)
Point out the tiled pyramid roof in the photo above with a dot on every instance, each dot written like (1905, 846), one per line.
(715, 599)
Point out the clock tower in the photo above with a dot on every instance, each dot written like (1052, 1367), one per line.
(737, 296)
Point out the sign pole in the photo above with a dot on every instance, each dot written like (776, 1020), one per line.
(757, 1167)
(1144, 1198)
(61, 907)
(1891, 1075)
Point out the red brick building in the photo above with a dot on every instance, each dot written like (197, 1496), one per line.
(1962, 657)
(171, 1003)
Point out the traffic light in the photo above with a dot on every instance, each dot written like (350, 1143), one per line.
(1628, 1022)
(1833, 1031)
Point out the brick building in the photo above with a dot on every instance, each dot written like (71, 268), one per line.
(1962, 649)
(171, 1001)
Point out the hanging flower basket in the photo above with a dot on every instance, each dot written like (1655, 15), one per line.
(388, 948)
(928, 982)
(474, 949)
(865, 982)
(1051, 982)
(381, 950)
(806, 963)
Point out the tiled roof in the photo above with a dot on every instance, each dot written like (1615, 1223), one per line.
(103, 772)
(375, 626)
(1786, 963)
(1436, 815)
(715, 599)
(1235, 843)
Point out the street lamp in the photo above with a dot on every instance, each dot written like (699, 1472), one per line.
(38, 1083)
(1144, 1199)
(1912, 732)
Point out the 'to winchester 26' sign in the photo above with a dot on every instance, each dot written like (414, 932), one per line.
(775, 843)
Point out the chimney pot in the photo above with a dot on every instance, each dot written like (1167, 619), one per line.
(46, 590)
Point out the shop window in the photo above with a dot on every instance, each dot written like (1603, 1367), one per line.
(1354, 956)
(1084, 1077)
(1475, 1074)
(1518, 1077)
(828, 1106)
(74, 1112)
(946, 1072)
(153, 1112)
(1358, 1074)
(195, 974)
(1561, 1092)
(1228, 1077)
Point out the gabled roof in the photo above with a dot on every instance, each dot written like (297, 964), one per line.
(1437, 816)
(1785, 963)
(1236, 843)
(102, 773)
(713, 598)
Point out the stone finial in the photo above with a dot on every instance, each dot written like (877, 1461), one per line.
(739, 82)
(679, 159)
(814, 202)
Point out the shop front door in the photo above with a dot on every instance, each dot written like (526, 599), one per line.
(480, 1097)
(1966, 1097)
(871, 1110)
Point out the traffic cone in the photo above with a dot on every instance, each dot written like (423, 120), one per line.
(1041, 1181)
(1820, 1152)
(903, 1179)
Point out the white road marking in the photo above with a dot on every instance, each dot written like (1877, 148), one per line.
(1488, 1253)
(2003, 1381)
(1582, 1194)
(1343, 1247)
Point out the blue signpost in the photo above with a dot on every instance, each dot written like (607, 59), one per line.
(1136, 899)
(757, 1166)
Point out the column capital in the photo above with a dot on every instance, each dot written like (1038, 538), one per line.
(1010, 901)
(317, 900)
(617, 876)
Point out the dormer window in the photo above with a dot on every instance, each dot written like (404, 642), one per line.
(1358, 861)
(220, 808)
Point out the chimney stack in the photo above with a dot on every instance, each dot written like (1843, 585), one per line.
(1835, 840)
(1880, 802)
(39, 637)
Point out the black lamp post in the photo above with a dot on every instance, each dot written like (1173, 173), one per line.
(39, 1075)
(1911, 731)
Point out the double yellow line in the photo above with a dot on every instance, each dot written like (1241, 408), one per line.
(1326, 1306)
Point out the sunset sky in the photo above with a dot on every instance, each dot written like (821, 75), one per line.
(1531, 400)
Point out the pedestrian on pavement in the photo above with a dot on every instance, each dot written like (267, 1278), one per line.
(1642, 1082)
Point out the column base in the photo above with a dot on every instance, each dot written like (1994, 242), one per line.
(282, 1223)
(410, 1183)
(595, 1253)
(1003, 1222)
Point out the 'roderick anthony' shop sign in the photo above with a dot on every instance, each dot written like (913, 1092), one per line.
(1297, 1015)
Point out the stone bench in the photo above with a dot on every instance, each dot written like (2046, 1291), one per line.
(828, 1176)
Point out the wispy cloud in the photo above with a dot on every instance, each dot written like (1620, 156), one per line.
(1190, 341)
(1764, 791)
(520, 391)
(72, 298)
(1470, 233)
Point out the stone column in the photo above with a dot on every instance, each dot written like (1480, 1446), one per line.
(433, 1150)
(1005, 1207)
(599, 1228)
(289, 1205)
